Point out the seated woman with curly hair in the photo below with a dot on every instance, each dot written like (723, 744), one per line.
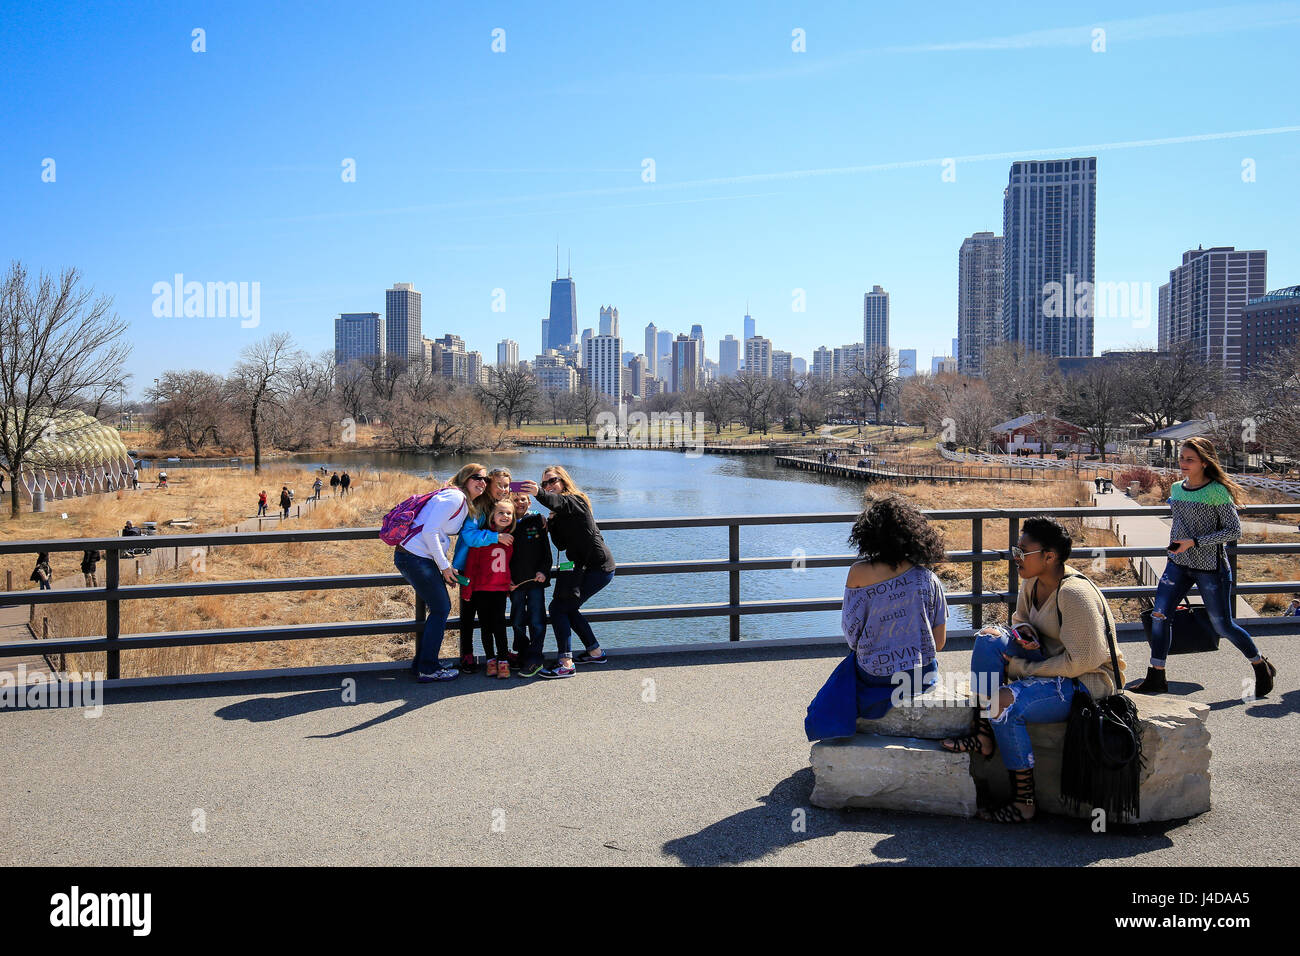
(895, 618)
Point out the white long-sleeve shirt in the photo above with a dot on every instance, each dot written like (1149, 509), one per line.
(441, 517)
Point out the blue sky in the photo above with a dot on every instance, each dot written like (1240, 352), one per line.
(774, 170)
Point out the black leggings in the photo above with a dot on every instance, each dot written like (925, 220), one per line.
(490, 607)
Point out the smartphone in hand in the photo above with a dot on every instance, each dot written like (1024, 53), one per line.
(516, 486)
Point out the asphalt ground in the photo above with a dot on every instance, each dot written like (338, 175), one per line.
(696, 759)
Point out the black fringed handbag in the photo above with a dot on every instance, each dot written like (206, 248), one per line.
(1101, 765)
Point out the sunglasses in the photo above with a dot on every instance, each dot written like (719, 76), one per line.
(1021, 555)
(483, 478)
(548, 481)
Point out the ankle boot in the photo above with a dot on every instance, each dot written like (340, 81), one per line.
(1264, 674)
(1153, 683)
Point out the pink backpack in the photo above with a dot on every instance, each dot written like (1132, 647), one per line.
(399, 524)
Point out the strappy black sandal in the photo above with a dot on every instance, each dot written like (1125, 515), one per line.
(971, 743)
(1022, 791)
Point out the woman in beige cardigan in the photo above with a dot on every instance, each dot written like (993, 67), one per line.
(1018, 682)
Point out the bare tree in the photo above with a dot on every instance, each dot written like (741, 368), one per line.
(716, 403)
(1097, 401)
(587, 404)
(752, 394)
(59, 348)
(260, 380)
(512, 392)
(190, 408)
(1165, 388)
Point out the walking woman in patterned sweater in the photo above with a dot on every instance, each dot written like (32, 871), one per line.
(1204, 520)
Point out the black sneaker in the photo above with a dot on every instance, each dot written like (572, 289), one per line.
(584, 657)
(467, 665)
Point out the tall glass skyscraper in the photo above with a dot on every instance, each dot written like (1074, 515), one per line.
(1049, 228)
(563, 328)
(402, 332)
(875, 318)
(979, 300)
(357, 335)
(697, 333)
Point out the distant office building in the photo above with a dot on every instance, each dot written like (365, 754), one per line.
(697, 333)
(563, 317)
(943, 364)
(559, 377)
(979, 301)
(602, 360)
(357, 336)
(1269, 324)
(432, 355)
(799, 366)
(507, 353)
(402, 323)
(906, 363)
(587, 335)
(1207, 294)
(637, 373)
(758, 356)
(664, 360)
(627, 357)
(546, 334)
(474, 371)
(728, 357)
(749, 334)
(875, 318)
(708, 371)
(847, 357)
(686, 364)
(451, 343)
(608, 320)
(1049, 246)
(823, 366)
(1162, 320)
(455, 365)
(652, 349)
(782, 365)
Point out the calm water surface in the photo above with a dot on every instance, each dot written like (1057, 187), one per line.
(641, 484)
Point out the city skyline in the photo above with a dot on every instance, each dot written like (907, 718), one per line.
(666, 215)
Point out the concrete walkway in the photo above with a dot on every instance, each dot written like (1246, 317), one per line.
(687, 759)
(1147, 531)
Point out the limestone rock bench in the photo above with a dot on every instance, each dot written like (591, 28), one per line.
(896, 763)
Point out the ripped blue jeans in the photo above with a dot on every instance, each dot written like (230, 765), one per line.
(1216, 591)
(986, 664)
(1038, 700)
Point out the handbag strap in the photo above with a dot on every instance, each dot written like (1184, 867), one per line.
(1110, 634)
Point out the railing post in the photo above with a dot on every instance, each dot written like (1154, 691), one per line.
(733, 579)
(1013, 579)
(977, 572)
(112, 614)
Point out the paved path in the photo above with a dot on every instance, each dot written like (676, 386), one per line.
(1147, 531)
(657, 760)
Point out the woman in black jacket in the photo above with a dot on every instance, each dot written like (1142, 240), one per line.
(573, 529)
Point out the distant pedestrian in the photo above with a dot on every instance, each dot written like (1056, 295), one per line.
(135, 478)
(89, 561)
(2, 484)
(334, 484)
(41, 573)
(345, 482)
(261, 504)
(285, 501)
(316, 487)
(1097, 481)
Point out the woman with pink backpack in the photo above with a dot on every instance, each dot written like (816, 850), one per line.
(420, 530)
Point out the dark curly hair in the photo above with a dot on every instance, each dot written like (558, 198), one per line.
(1051, 534)
(892, 530)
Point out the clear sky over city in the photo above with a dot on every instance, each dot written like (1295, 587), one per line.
(774, 170)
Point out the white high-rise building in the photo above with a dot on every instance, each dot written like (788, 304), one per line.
(979, 301)
(602, 360)
(507, 353)
(652, 349)
(823, 366)
(608, 320)
(402, 323)
(875, 318)
(758, 356)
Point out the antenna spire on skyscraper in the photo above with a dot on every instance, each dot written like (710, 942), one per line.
(557, 261)
(570, 263)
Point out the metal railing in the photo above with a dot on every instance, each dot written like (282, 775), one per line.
(113, 643)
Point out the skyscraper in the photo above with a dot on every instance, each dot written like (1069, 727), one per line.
(782, 364)
(906, 363)
(507, 353)
(652, 350)
(686, 364)
(546, 333)
(357, 335)
(663, 362)
(602, 359)
(758, 356)
(875, 318)
(697, 333)
(563, 328)
(979, 301)
(729, 357)
(822, 364)
(608, 320)
(749, 333)
(1049, 246)
(402, 323)
(1206, 296)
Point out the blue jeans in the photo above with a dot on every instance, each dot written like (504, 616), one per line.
(986, 665)
(566, 617)
(528, 606)
(1216, 591)
(876, 694)
(423, 575)
(1037, 700)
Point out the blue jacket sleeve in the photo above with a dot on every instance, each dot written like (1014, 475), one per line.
(471, 535)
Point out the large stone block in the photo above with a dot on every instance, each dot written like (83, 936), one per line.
(892, 773)
(1175, 780)
(940, 712)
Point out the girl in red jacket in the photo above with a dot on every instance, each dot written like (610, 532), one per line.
(488, 570)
